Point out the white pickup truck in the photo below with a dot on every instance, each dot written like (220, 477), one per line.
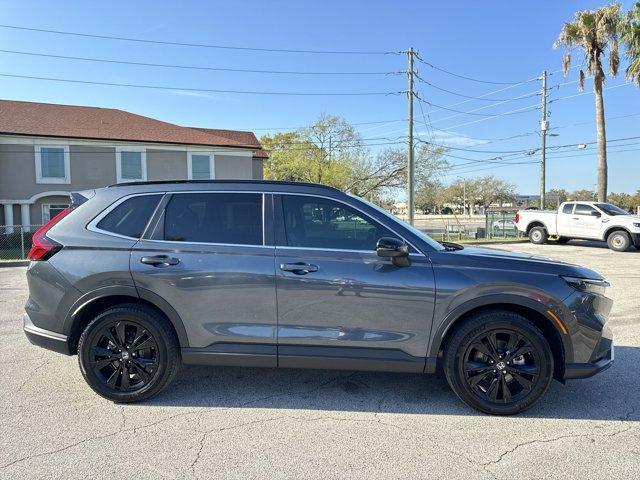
(584, 220)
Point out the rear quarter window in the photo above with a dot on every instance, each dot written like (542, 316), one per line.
(130, 217)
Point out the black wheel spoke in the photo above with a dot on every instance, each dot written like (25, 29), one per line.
(146, 343)
(100, 364)
(125, 377)
(512, 344)
(144, 375)
(522, 349)
(482, 348)
(526, 369)
(109, 336)
(111, 381)
(104, 352)
(120, 334)
(524, 382)
(506, 393)
(492, 391)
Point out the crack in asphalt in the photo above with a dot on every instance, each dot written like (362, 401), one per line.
(551, 440)
(134, 430)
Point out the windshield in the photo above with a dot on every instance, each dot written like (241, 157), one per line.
(390, 216)
(611, 209)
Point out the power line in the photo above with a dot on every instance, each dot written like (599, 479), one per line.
(190, 67)
(468, 96)
(204, 90)
(457, 111)
(307, 126)
(468, 78)
(199, 45)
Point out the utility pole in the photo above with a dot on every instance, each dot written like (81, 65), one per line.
(410, 160)
(544, 126)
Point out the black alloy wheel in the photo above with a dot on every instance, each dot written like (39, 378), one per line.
(498, 362)
(124, 356)
(128, 353)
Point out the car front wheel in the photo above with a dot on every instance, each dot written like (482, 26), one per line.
(498, 362)
(619, 241)
(128, 353)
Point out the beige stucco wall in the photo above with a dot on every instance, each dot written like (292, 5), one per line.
(36, 208)
(233, 167)
(166, 165)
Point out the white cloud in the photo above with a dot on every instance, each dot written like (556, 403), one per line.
(452, 139)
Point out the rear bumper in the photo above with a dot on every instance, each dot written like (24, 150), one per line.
(586, 370)
(44, 338)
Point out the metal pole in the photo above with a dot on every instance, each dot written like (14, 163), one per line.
(544, 125)
(410, 162)
(464, 196)
(22, 242)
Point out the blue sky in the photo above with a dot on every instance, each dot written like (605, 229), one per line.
(501, 41)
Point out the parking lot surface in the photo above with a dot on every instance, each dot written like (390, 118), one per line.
(267, 423)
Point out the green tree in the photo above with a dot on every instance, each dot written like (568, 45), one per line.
(630, 36)
(623, 200)
(595, 32)
(583, 195)
(555, 197)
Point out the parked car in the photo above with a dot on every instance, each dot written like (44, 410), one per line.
(138, 278)
(504, 226)
(583, 220)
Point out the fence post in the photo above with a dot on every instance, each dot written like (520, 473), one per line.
(22, 242)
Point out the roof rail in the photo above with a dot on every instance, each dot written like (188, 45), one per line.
(249, 182)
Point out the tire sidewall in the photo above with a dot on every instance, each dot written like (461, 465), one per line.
(84, 346)
(459, 343)
(533, 234)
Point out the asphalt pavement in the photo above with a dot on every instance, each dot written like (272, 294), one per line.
(267, 423)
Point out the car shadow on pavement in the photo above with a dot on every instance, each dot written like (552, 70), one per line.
(610, 395)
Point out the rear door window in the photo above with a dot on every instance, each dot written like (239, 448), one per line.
(225, 218)
(582, 209)
(130, 217)
(568, 208)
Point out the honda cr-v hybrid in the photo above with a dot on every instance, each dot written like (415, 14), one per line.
(138, 278)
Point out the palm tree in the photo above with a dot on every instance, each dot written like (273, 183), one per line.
(630, 36)
(595, 31)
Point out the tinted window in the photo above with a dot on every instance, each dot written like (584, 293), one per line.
(214, 218)
(610, 209)
(130, 217)
(583, 209)
(322, 223)
(568, 208)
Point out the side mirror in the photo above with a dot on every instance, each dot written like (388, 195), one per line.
(394, 248)
(595, 214)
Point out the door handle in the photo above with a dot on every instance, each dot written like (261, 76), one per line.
(299, 268)
(576, 218)
(160, 260)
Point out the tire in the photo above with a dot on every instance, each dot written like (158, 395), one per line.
(538, 235)
(105, 357)
(619, 241)
(491, 391)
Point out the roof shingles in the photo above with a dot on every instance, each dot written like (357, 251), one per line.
(70, 121)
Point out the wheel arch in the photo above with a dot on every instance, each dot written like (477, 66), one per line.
(614, 228)
(96, 301)
(535, 223)
(560, 344)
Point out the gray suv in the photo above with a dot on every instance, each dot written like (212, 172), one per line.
(138, 278)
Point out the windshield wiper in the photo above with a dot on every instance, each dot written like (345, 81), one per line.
(452, 247)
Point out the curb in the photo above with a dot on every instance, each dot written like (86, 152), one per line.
(16, 263)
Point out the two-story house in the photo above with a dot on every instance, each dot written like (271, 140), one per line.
(48, 150)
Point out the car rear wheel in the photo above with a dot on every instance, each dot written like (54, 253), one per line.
(619, 241)
(498, 362)
(538, 235)
(128, 353)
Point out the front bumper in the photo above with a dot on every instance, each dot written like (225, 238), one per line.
(45, 338)
(603, 359)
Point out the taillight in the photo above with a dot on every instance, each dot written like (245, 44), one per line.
(517, 217)
(43, 247)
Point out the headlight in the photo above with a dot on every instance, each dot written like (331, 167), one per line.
(587, 284)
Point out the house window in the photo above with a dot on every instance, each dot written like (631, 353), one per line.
(52, 164)
(50, 210)
(131, 164)
(200, 166)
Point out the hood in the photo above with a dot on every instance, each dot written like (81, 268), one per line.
(503, 259)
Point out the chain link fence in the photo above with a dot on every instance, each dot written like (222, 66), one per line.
(493, 225)
(15, 241)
